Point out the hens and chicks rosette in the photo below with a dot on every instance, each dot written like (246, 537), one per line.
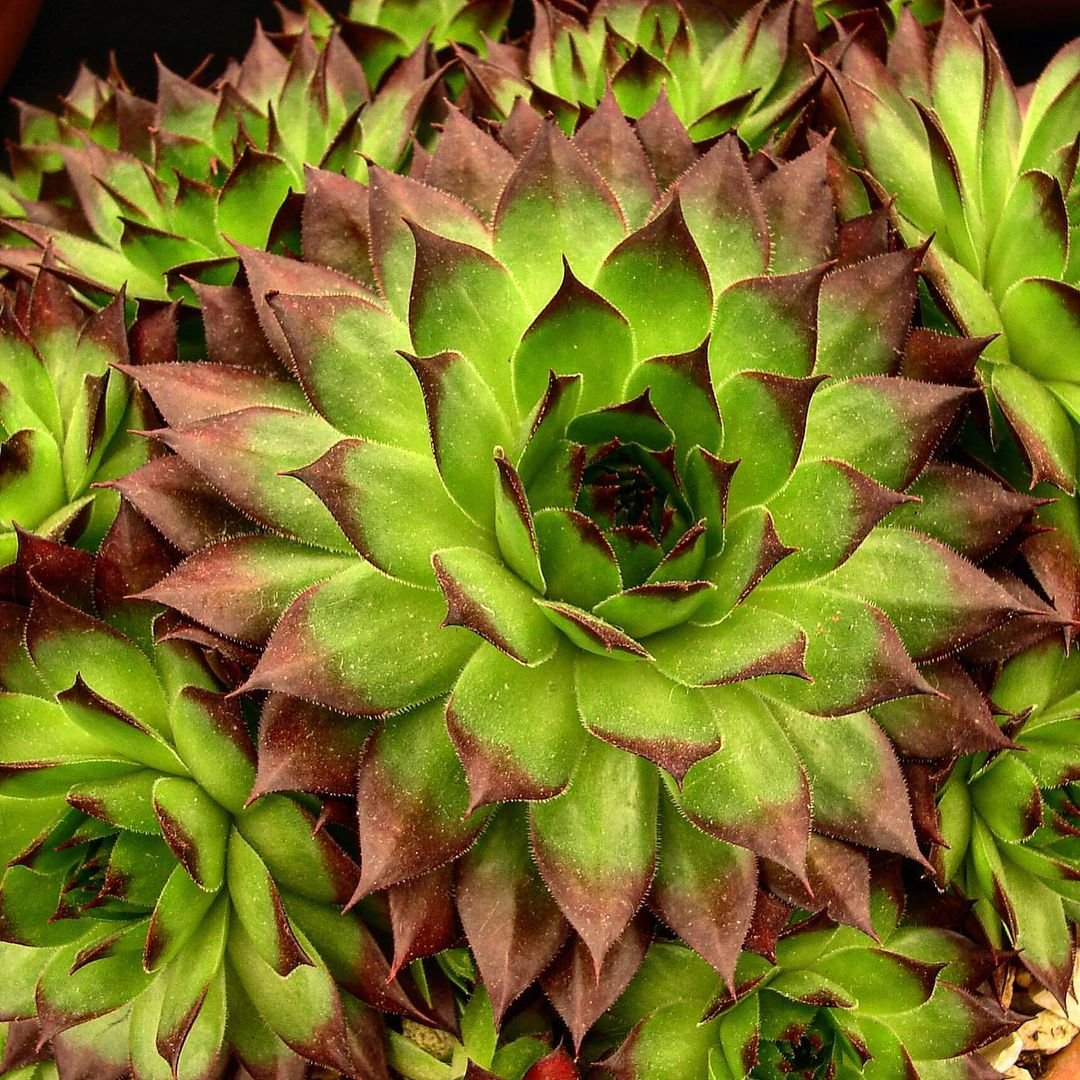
(587, 506)
(520, 523)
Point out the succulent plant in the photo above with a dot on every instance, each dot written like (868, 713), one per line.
(65, 413)
(717, 68)
(150, 911)
(1010, 821)
(520, 523)
(837, 1003)
(942, 129)
(133, 193)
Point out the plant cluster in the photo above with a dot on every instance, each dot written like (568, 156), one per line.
(541, 552)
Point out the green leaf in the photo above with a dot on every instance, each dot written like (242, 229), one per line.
(753, 402)
(493, 719)
(35, 730)
(252, 196)
(257, 904)
(864, 313)
(193, 981)
(597, 856)
(122, 732)
(300, 857)
(483, 596)
(413, 801)
(766, 324)
(860, 793)
(577, 333)
(66, 998)
(941, 603)
(393, 506)
(196, 829)
(705, 889)
(591, 633)
(27, 821)
(635, 707)
(514, 526)
(753, 792)
(671, 1043)
(657, 278)
(1006, 797)
(466, 422)
(854, 654)
(845, 506)
(211, 737)
(478, 1028)
(462, 298)
(749, 642)
(1049, 121)
(1044, 429)
(887, 428)
(576, 560)
(650, 608)
(557, 194)
(724, 214)
(1042, 321)
(250, 456)
(66, 644)
(1032, 238)
(330, 646)
(124, 801)
(345, 351)
(680, 389)
(302, 1008)
(179, 911)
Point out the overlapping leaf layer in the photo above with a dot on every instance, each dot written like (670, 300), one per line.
(136, 193)
(593, 597)
(838, 1004)
(717, 66)
(1010, 819)
(942, 129)
(66, 414)
(151, 917)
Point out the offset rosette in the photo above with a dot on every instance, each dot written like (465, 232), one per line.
(628, 479)
(65, 413)
(1010, 820)
(381, 31)
(941, 128)
(152, 917)
(717, 66)
(837, 1003)
(126, 190)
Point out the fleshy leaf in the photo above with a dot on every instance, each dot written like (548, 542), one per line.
(598, 859)
(362, 484)
(563, 339)
(514, 927)
(483, 596)
(753, 792)
(657, 278)
(584, 219)
(492, 718)
(412, 801)
(311, 654)
(704, 890)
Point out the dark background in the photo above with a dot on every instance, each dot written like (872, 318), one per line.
(184, 32)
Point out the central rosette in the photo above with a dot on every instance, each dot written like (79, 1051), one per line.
(615, 535)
